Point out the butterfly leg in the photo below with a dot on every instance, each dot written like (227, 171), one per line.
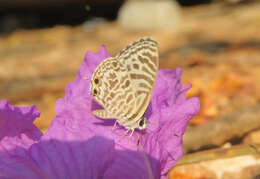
(114, 125)
(132, 131)
(127, 131)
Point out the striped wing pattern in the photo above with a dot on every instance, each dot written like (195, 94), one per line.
(141, 61)
(115, 89)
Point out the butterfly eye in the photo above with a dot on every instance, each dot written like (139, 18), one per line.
(97, 81)
(95, 92)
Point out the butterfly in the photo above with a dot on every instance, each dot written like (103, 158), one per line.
(123, 85)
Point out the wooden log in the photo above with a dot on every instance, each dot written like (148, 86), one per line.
(223, 129)
(220, 153)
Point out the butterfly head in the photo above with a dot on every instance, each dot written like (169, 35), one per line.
(98, 88)
(95, 86)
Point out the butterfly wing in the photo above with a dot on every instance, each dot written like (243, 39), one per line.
(112, 88)
(141, 61)
(102, 114)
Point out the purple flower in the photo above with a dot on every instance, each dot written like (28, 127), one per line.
(80, 145)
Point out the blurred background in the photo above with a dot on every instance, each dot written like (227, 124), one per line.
(215, 42)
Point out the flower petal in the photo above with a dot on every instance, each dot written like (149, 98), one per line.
(73, 159)
(133, 164)
(57, 159)
(15, 162)
(17, 134)
(169, 114)
(15, 121)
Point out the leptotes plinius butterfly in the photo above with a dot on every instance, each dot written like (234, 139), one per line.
(123, 84)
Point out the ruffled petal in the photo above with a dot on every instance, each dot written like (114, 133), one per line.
(17, 134)
(15, 121)
(168, 117)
